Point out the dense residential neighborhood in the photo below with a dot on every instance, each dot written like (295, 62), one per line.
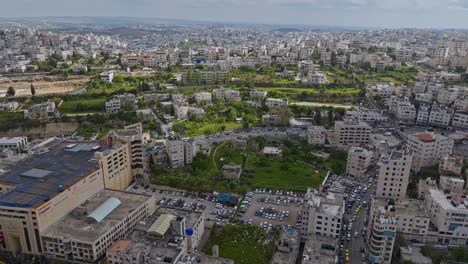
(193, 143)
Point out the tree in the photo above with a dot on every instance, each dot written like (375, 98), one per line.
(317, 117)
(10, 92)
(245, 125)
(33, 90)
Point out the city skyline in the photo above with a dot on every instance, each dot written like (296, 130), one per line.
(350, 13)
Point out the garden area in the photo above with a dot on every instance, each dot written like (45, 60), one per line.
(438, 255)
(245, 244)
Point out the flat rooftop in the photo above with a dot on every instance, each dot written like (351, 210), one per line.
(40, 177)
(80, 227)
(407, 207)
(320, 249)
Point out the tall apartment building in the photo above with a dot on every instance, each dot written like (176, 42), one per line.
(428, 149)
(351, 133)
(394, 174)
(449, 215)
(176, 152)
(447, 95)
(423, 115)
(133, 139)
(359, 160)
(322, 214)
(202, 97)
(382, 233)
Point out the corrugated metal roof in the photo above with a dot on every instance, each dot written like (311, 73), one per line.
(161, 225)
(104, 209)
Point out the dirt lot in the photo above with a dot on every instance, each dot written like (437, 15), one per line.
(43, 84)
(256, 204)
(50, 130)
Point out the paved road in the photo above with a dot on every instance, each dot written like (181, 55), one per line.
(359, 242)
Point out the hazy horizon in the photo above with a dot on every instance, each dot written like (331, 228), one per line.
(349, 13)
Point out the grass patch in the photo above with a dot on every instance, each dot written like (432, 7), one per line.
(193, 129)
(285, 175)
(83, 105)
(245, 244)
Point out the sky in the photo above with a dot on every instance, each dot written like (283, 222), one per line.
(355, 13)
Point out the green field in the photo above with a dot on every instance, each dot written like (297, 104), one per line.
(193, 129)
(83, 105)
(296, 177)
(245, 244)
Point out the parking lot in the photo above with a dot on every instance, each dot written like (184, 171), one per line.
(189, 201)
(270, 209)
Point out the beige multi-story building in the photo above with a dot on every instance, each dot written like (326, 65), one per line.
(176, 152)
(359, 160)
(322, 214)
(428, 149)
(351, 133)
(316, 135)
(451, 184)
(84, 234)
(447, 95)
(394, 174)
(116, 165)
(132, 137)
(38, 192)
(451, 164)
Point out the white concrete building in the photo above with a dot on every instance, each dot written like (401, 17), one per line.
(440, 116)
(402, 108)
(428, 149)
(351, 133)
(13, 144)
(423, 115)
(255, 94)
(365, 115)
(383, 90)
(322, 215)
(274, 102)
(202, 97)
(394, 174)
(359, 160)
(449, 215)
(317, 77)
(107, 76)
(460, 119)
(232, 96)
